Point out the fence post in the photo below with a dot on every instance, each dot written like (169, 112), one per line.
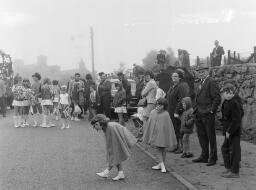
(225, 60)
(197, 61)
(208, 62)
(234, 57)
(254, 53)
(229, 61)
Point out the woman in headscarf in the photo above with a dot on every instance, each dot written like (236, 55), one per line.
(118, 143)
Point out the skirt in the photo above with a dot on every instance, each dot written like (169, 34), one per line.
(17, 103)
(46, 103)
(121, 110)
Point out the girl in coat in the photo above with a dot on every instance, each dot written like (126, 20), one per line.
(118, 142)
(119, 102)
(160, 133)
(187, 125)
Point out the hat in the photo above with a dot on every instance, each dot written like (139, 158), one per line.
(101, 73)
(99, 118)
(202, 68)
(37, 75)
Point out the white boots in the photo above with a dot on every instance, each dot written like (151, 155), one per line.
(44, 125)
(119, 176)
(160, 166)
(15, 120)
(105, 174)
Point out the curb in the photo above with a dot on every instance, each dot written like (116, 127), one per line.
(181, 179)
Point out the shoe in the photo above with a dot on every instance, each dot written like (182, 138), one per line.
(44, 126)
(174, 150)
(231, 175)
(52, 125)
(67, 127)
(104, 174)
(16, 126)
(163, 169)
(184, 155)
(156, 167)
(200, 160)
(179, 151)
(189, 155)
(225, 172)
(35, 124)
(63, 127)
(72, 118)
(211, 163)
(77, 119)
(119, 176)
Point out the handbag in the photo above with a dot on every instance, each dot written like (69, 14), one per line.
(142, 102)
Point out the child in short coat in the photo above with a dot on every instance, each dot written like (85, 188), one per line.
(187, 125)
(232, 113)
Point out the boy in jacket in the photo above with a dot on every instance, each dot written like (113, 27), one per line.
(232, 113)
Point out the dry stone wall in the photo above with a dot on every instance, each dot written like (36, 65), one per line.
(244, 76)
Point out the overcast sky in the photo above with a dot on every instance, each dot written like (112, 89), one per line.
(125, 30)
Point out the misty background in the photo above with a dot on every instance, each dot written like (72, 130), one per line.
(125, 31)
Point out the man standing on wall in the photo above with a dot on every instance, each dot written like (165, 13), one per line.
(216, 54)
(207, 101)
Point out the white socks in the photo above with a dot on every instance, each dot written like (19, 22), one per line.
(15, 119)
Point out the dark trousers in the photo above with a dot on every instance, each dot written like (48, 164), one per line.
(3, 105)
(177, 125)
(72, 105)
(105, 105)
(231, 152)
(207, 135)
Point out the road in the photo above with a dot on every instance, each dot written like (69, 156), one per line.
(54, 159)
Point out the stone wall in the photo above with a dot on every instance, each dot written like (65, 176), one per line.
(244, 76)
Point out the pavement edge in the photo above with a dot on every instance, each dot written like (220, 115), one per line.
(181, 179)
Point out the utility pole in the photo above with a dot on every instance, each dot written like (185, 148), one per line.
(92, 49)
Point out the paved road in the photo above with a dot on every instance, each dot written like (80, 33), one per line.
(54, 159)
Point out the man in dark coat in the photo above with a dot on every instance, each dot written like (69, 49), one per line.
(207, 101)
(216, 54)
(104, 90)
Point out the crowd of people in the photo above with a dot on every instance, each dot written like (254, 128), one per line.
(168, 119)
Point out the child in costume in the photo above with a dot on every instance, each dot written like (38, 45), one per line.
(56, 97)
(64, 108)
(18, 94)
(118, 140)
(159, 132)
(47, 95)
(26, 102)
